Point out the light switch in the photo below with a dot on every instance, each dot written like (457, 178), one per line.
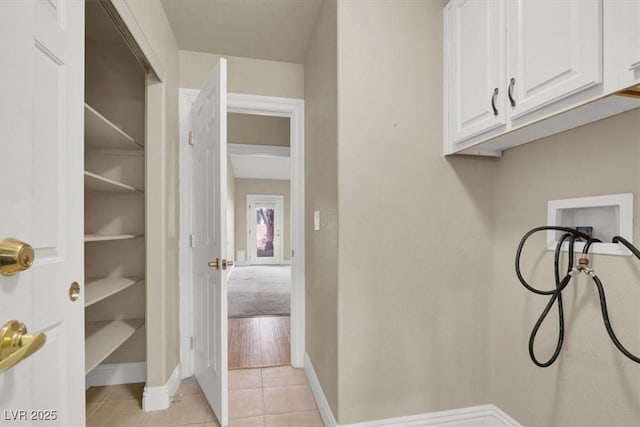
(316, 220)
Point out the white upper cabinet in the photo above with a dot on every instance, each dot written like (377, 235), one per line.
(475, 33)
(630, 42)
(554, 50)
(519, 70)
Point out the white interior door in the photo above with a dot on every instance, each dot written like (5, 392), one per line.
(264, 229)
(209, 211)
(41, 203)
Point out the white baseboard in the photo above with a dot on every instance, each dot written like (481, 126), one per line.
(321, 400)
(474, 416)
(117, 373)
(159, 397)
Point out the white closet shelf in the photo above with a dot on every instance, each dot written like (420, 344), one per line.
(95, 182)
(107, 237)
(100, 133)
(97, 289)
(104, 337)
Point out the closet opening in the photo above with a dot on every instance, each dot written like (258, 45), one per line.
(119, 86)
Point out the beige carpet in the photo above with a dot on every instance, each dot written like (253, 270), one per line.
(259, 290)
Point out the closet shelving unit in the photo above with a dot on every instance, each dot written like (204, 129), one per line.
(102, 338)
(95, 182)
(101, 134)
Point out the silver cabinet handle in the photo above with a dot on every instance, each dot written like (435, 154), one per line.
(512, 83)
(493, 102)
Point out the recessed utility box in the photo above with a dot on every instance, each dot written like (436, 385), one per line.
(609, 216)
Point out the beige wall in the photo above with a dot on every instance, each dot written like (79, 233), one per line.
(245, 75)
(258, 130)
(321, 192)
(414, 267)
(243, 187)
(591, 384)
(162, 319)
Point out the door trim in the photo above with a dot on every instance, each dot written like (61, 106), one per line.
(279, 201)
(293, 109)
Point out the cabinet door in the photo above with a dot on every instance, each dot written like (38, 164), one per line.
(474, 70)
(554, 50)
(631, 29)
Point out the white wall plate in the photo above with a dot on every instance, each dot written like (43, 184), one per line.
(610, 215)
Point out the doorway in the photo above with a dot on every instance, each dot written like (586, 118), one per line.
(259, 287)
(265, 243)
(293, 109)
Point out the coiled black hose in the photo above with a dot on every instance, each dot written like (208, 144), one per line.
(569, 235)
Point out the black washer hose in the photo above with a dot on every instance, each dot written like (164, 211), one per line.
(571, 235)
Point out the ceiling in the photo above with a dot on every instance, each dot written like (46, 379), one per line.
(260, 167)
(277, 30)
(259, 161)
(258, 146)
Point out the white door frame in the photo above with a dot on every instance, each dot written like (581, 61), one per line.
(293, 109)
(251, 225)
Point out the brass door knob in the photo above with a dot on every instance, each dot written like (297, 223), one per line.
(74, 291)
(226, 263)
(15, 256)
(16, 345)
(215, 264)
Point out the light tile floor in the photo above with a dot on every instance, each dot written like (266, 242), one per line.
(267, 397)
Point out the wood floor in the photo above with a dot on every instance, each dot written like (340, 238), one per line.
(256, 342)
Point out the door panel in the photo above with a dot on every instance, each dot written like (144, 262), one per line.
(631, 46)
(41, 201)
(476, 67)
(554, 50)
(209, 113)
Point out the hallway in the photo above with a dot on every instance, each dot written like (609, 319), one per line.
(269, 397)
(259, 328)
(256, 342)
(259, 290)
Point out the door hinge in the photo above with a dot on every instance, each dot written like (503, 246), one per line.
(192, 241)
(190, 137)
(191, 342)
(293, 253)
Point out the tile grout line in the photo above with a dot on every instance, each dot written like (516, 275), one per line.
(264, 409)
(93, 412)
(100, 403)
